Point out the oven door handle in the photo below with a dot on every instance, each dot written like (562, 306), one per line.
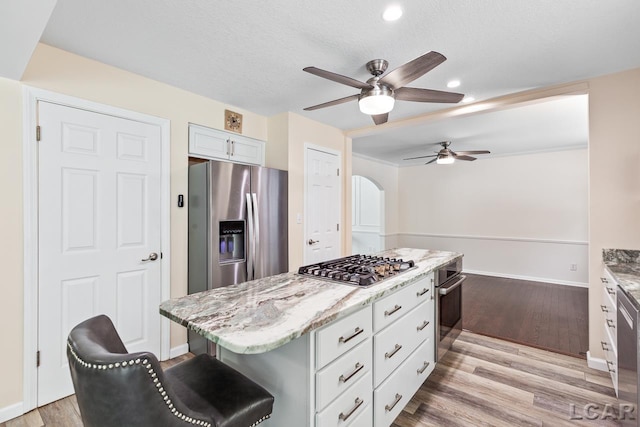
(444, 291)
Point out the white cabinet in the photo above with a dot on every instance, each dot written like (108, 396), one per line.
(609, 308)
(403, 348)
(357, 371)
(215, 144)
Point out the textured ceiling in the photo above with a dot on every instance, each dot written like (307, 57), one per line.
(251, 54)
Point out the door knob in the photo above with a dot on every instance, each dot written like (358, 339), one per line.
(152, 257)
(311, 241)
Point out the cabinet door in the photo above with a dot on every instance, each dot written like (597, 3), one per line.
(208, 143)
(246, 150)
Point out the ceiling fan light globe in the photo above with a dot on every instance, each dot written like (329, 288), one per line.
(379, 100)
(377, 104)
(445, 160)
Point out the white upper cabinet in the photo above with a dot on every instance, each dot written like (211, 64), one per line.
(220, 145)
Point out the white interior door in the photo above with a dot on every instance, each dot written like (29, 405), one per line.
(99, 196)
(323, 206)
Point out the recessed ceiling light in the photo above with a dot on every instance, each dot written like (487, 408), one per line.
(453, 83)
(392, 13)
(468, 99)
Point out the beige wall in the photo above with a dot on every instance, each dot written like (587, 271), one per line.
(614, 179)
(300, 131)
(11, 250)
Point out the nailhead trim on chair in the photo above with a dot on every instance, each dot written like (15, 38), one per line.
(153, 375)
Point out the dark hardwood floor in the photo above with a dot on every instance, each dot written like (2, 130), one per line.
(543, 315)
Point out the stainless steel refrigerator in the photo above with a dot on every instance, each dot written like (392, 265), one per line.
(237, 228)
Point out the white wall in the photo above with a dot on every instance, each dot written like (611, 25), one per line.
(518, 216)
(386, 178)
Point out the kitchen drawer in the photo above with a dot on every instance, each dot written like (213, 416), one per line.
(390, 308)
(609, 292)
(348, 406)
(395, 392)
(365, 419)
(342, 373)
(611, 358)
(342, 335)
(609, 314)
(395, 343)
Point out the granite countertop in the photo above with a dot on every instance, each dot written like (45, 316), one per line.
(624, 266)
(264, 314)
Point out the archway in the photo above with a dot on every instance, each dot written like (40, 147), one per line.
(367, 215)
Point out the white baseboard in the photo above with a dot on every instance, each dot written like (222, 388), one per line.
(10, 412)
(179, 350)
(533, 279)
(596, 363)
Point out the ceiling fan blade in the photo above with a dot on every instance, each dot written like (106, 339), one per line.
(334, 102)
(463, 157)
(421, 157)
(474, 152)
(410, 71)
(427, 95)
(339, 78)
(428, 163)
(379, 119)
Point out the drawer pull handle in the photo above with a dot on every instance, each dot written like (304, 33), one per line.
(424, 325)
(611, 291)
(358, 368)
(422, 292)
(344, 417)
(609, 364)
(389, 408)
(610, 323)
(425, 366)
(604, 308)
(396, 308)
(604, 280)
(604, 346)
(393, 352)
(357, 332)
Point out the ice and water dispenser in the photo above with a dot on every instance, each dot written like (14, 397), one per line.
(231, 246)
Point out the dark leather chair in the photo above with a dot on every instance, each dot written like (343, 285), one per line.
(118, 389)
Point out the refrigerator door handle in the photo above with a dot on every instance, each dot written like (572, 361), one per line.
(256, 232)
(251, 238)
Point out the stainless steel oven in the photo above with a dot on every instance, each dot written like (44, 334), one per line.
(448, 283)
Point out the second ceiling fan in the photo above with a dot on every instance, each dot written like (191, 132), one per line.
(377, 96)
(448, 156)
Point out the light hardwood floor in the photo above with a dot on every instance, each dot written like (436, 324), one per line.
(481, 381)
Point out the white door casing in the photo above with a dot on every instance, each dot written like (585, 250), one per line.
(322, 205)
(99, 199)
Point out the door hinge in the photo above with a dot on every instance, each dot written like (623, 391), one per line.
(338, 171)
(337, 227)
(37, 133)
(38, 359)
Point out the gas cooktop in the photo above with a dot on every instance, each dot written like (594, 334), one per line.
(358, 270)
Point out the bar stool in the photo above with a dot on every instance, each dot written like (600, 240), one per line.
(115, 388)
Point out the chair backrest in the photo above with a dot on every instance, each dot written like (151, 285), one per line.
(115, 388)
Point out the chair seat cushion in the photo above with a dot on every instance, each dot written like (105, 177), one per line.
(208, 386)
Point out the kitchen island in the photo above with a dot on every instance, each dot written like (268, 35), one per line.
(328, 352)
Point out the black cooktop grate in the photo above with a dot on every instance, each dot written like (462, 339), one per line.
(359, 270)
